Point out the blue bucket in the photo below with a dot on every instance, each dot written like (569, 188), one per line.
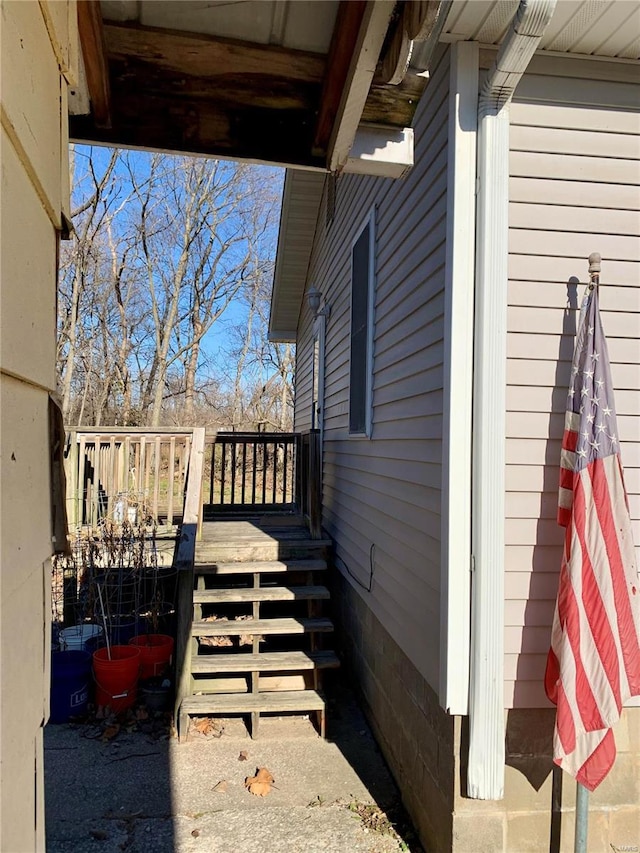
(70, 677)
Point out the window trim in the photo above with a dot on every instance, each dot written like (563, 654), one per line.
(369, 222)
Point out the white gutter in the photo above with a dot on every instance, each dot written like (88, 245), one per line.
(485, 778)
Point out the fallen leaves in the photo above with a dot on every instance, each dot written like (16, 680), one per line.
(260, 784)
(110, 732)
(221, 787)
(225, 640)
(243, 755)
(207, 727)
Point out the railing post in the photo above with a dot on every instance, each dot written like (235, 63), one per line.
(72, 477)
(314, 485)
(190, 531)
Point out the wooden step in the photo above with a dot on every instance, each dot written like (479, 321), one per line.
(234, 627)
(245, 703)
(241, 683)
(263, 662)
(266, 593)
(260, 566)
(265, 548)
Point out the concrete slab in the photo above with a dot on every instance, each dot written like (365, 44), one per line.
(142, 795)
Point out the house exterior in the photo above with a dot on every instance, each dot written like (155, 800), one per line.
(114, 72)
(39, 56)
(436, 369)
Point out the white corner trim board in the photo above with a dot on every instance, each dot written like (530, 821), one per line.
(485, 777)
(455, 587)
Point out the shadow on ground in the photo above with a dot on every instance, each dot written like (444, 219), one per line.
(144, 793)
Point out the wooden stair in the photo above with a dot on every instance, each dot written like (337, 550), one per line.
(257, 586)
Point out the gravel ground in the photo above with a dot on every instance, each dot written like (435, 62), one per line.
(143, 794)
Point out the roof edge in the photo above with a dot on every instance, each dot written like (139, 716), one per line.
(301, 198)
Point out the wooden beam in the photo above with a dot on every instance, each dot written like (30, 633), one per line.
(368, 45)
(203, 126)
(343, 45)
(95, 60)
(395, 105)
(211, 58)
(198, 94)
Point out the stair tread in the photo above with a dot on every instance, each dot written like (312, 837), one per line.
(254, 566)
(269, 593)
(232, 627)
(263, 662)
(291, 700)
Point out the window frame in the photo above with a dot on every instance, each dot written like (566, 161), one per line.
(369, 223)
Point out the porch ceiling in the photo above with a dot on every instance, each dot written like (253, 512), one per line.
(273, 81)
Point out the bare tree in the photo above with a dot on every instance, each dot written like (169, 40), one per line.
(163, 247)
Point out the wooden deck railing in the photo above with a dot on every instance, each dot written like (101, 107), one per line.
(127, 473)
(251, 472)
(139, 475)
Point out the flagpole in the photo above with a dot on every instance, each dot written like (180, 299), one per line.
(582, 819)
(582, 793)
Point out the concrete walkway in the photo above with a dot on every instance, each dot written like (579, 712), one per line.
(138, 794)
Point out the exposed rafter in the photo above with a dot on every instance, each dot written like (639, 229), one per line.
(175, 90)
(95, 60)
(367, 46)
(343, 45)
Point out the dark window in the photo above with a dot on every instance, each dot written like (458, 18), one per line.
(361, 337)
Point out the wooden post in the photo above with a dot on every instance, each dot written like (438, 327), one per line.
(315, 486)
(71, 474)
(95, 495)
(156, 481)
(185, 559)
(297, 474)
(82, 482)
(171, 479)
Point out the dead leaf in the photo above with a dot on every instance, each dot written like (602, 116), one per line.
(208, 727)
(260, 784)
(110, 732)
(221, 787)
(243, 755)
(216, 642)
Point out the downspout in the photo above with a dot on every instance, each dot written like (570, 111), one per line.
(485, 775)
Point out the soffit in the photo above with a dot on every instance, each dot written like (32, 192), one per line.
(580, 27)
(300, 206)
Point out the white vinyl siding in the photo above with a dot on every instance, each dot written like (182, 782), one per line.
(575, 172)
(382, 497)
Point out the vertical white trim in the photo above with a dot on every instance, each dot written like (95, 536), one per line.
(486, 693)
(455, 587)
(320, 334)
(370, 223)
(485, 776)
(371, 319)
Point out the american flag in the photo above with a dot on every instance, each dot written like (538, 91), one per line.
(593, 666)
